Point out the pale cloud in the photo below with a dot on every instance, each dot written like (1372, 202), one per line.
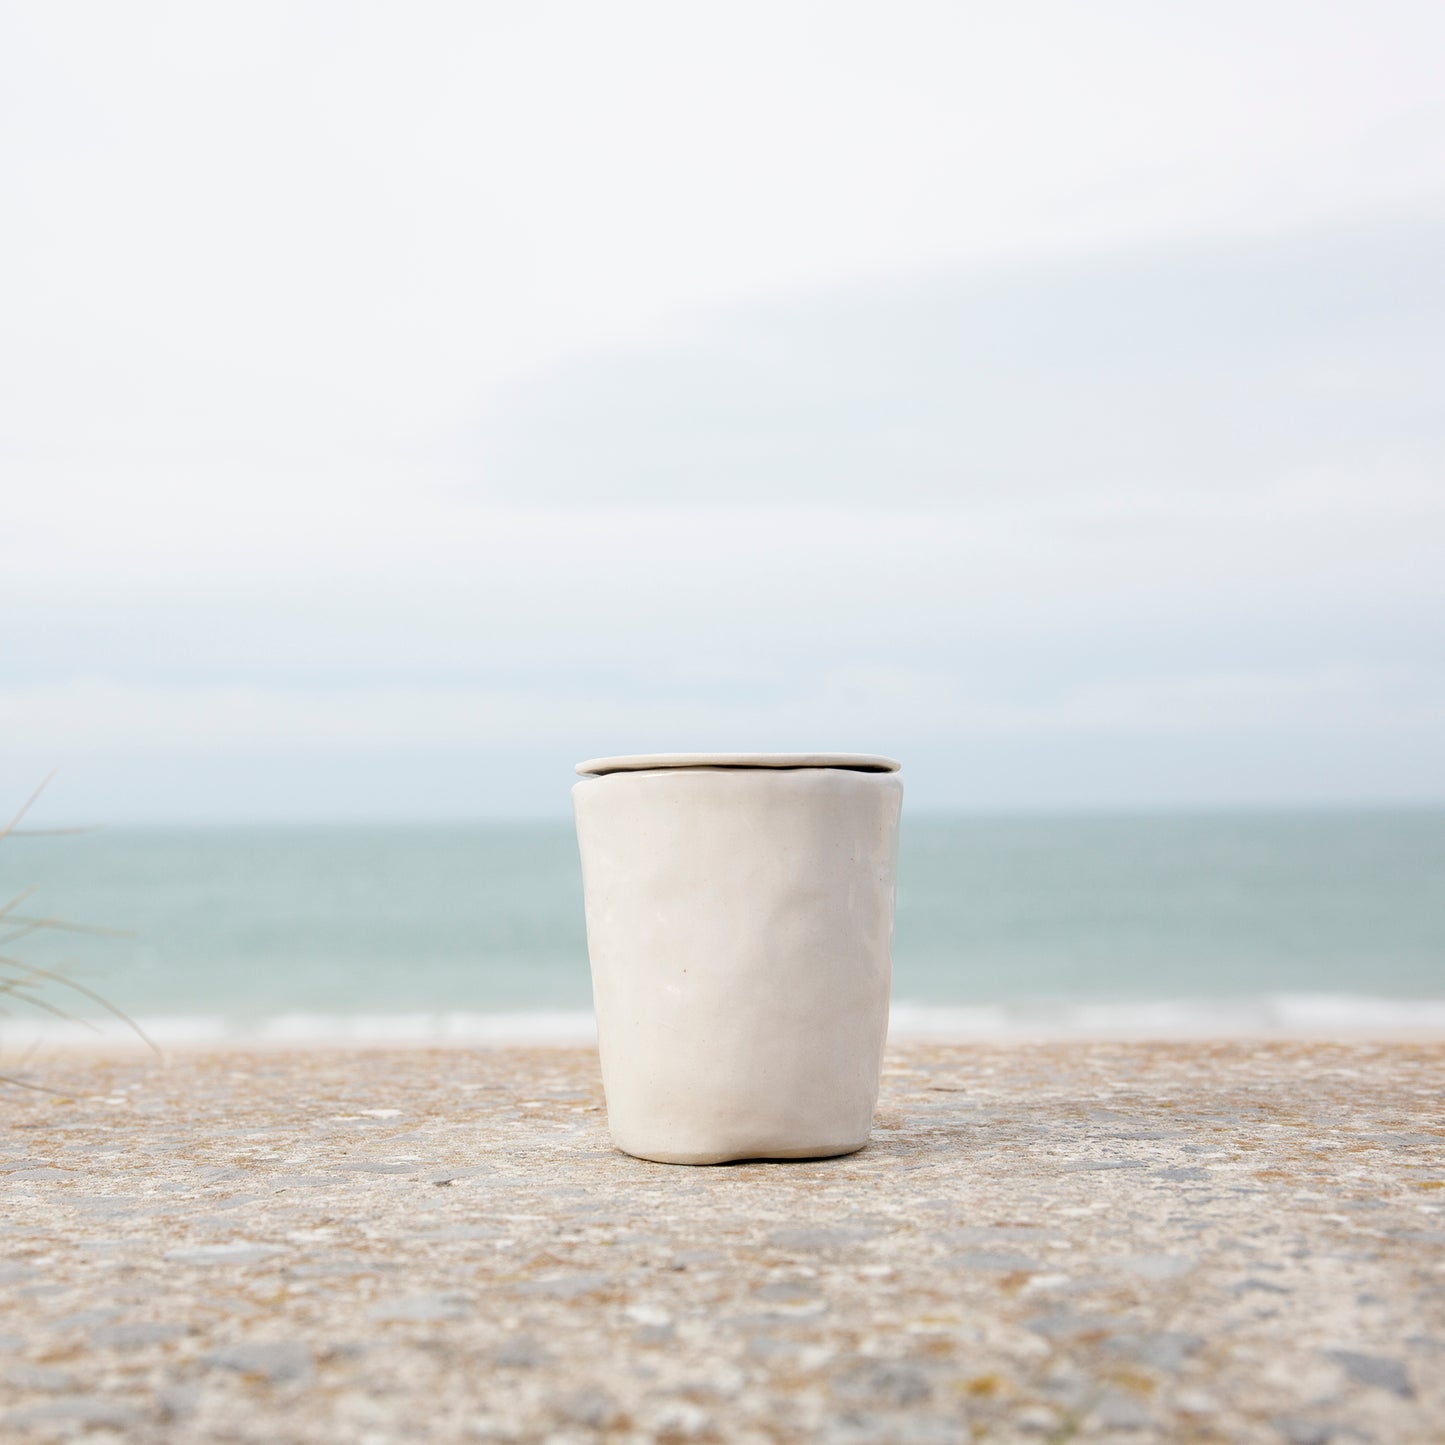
(94, 715)
(1148, 372)
(440, 752)
(319, 223)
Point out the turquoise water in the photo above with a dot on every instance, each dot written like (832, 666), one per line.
(1082, 922)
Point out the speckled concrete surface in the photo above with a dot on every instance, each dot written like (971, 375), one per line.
(1098, 1241)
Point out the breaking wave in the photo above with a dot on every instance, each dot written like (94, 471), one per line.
(1315, 1016)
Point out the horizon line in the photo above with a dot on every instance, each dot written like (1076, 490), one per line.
(923, 812)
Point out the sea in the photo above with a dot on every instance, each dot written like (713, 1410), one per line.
(1219, 924)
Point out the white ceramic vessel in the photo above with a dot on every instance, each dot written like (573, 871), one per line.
(740, 927)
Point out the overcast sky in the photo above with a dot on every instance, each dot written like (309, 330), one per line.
(398, 403)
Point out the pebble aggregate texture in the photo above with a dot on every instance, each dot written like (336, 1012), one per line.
(1043, 1242)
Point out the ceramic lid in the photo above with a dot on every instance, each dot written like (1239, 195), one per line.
(853, 762)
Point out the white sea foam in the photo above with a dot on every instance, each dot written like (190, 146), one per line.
(198, 1030)
(1314, 1016)
(1264, 1015)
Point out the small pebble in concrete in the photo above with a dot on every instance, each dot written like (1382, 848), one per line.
(1385, 1374)
(233, 1253)
(135, 1336)
(423, 1307)
(277, 1361)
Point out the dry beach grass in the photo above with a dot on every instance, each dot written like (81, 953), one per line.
(24, 982)
(1043, 1242)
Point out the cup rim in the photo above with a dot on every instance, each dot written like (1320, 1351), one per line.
(639, 762)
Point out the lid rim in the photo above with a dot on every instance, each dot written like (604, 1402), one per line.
(648, 762)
